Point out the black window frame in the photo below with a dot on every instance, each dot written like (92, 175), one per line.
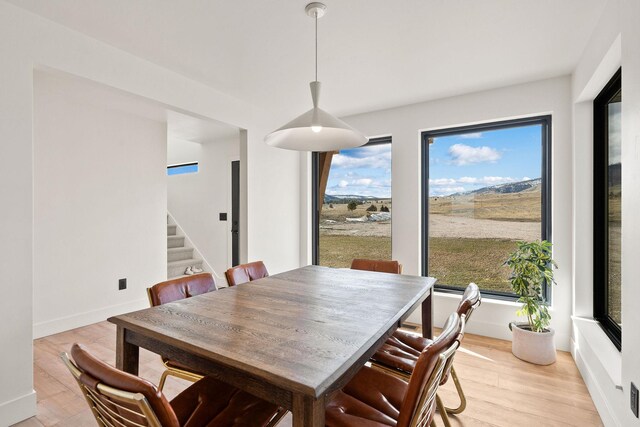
(601, 209)
(315, 211)
(546, 218)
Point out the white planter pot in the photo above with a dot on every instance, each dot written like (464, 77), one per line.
(533, 347)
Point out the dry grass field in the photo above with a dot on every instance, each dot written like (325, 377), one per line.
(514, 207)
(471, 235)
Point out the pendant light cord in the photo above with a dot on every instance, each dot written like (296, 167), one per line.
(316, 46)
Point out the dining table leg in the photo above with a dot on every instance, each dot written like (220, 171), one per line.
(427, 316)
(307, 411)
(127, 354)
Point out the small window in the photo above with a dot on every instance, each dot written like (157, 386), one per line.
(607, 204)
(182, 168)
(485, 187)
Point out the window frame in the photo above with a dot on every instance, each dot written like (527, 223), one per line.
(546, 214)
(601, 210)
(315, 212)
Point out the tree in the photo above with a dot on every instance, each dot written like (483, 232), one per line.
(384, 208)
(330, 205)
(352, 206)
(372, 208)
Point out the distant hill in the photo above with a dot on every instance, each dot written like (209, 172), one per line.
(341, 198)
(509, 188)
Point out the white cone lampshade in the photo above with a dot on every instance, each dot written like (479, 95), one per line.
(316, 130)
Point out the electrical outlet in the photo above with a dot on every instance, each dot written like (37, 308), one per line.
(223, 216)
(122, 284)
(634, 399)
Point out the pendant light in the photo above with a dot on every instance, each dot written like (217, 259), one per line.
(316, 130)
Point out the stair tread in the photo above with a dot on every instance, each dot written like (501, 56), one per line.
(180, 249)
(175, 237)
(184, 262)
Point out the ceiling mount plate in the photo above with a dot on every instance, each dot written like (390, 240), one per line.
(315, 9)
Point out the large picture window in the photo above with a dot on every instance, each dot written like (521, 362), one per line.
(485, 187)
(607, 202)
(352, 204)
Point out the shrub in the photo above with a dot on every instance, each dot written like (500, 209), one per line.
(352, 206)
(330, 205)
(384, 208)
(372, 208)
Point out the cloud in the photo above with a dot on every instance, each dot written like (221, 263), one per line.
(442, 181)
(363, 181)
(373, 157)
(472, 135)
(343, 183)
(462, 154)
(468, 180)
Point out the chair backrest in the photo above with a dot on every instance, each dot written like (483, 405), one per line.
(181, 288)
(419, 405)
(471, 300)
(244, 273)
(116, 398)
(382, 266)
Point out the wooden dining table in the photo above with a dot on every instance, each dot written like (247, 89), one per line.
(292, 338)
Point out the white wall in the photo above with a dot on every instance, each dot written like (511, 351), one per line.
(615, 43)
(196, 200)
(28, 41)
(405, 124)
(99, 208)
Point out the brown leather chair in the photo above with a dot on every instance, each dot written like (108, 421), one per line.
(174, 290)
(244, 273)
(374, 398)
(381, 266)
(400, 353)
(120, 399)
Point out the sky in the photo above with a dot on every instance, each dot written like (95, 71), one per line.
(362, 171)
(466, 162)
(457, 163)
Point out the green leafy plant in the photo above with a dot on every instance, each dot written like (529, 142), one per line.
(352, 206)
(372, 208)
(532, 269)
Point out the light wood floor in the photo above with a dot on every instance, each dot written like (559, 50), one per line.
(501, 390)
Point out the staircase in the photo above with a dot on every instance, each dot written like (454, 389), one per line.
(179, 256)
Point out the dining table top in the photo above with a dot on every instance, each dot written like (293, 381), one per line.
(300, 330)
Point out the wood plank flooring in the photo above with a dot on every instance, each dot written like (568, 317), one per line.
(501, 390)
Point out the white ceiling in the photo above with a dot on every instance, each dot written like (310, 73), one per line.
(373, 53)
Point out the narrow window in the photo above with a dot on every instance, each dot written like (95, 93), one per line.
(485, 187)
(607, 203)
(352, 204)
(182, 168)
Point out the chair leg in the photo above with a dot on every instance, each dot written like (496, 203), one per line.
(163, 379)
(463, 399)
(278, 417)
(443, 412)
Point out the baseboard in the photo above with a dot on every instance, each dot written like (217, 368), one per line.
(17, 410)
(607, 414)
(73, 321)
(500, 313)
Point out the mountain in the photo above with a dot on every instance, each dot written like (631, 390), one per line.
(338, 198)
(509, 188)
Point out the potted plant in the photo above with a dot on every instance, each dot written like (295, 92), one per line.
(532, 269)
